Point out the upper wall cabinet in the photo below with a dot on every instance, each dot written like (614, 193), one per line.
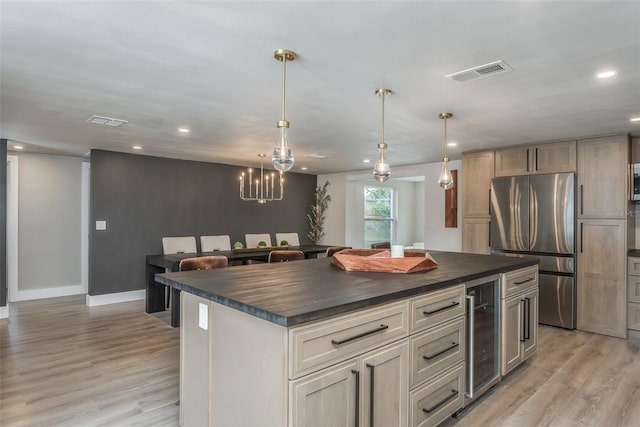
(551, 157)
(477, 172)
(603, 177)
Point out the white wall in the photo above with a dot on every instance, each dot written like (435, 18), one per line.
(340, 227)
(50, 220)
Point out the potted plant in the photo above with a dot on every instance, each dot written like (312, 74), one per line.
(262, 244)
(318, 211)
(238, 245)
(284, 243)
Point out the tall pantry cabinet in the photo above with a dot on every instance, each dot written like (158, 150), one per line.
(477, 172)
(604, 232)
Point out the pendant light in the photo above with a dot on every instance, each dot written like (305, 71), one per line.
(445, 180)
(260, 188)
(381, 170)
(282, 157)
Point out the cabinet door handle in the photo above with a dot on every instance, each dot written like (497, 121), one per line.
(489, 201)
(528, 304)
(581, 199)
(536, 159)
(447, 307)
(530, 279)
(364, 334)
(581, 234)
(371, 398)
(357, 374)
(453, 345)
(527, 160)
(471, 313)
(522, 329)
(454, 393)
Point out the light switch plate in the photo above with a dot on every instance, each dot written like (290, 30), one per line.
(203, 317)
(101, 225)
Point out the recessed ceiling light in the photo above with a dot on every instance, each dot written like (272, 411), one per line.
(452, 144)
(366, 161)
(18, 147)
(304, 168)
(606, 74)
(137, 147)
(315, 155)
(634, 119)
(183, 130)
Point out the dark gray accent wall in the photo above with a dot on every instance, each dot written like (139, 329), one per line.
(3, 222)
(145, 198)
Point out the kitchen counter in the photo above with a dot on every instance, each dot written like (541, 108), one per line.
(292, 293)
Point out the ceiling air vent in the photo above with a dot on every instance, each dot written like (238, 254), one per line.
(481, 71)
(106, 121)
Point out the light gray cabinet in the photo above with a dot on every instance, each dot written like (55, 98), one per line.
(551, 157)
(519, 324)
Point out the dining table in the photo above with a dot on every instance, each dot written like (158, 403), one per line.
(161, 263)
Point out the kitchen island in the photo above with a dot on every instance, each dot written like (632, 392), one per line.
(302, 342)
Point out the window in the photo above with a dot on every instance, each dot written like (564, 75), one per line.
(379, 215)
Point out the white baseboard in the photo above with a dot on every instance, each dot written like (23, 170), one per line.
(4, 312)
(95, 300)
(62, 291)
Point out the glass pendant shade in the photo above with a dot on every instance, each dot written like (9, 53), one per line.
(381, 170)
(445, 180)
(282, 157)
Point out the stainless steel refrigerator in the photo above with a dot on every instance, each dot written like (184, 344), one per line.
(534, 216)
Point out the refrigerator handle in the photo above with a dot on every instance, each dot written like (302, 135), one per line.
(470, 343)
(581, 234)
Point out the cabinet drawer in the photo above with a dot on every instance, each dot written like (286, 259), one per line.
(633, 316)
(518, 281)
(633, 288)
(438, 399)
(436, 307)
(633, 265)
(322, 344)
(436, 350)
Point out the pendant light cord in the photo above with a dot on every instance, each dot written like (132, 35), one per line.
(445, 138)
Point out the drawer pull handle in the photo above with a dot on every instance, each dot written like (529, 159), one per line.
(454, 393)
(447, 307)
(453, 345)
(530, 279)
(364, 334)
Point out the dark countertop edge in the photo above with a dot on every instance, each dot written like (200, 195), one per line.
(326, 313)
(633, 252)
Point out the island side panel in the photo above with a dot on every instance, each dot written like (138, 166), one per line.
(248, 369)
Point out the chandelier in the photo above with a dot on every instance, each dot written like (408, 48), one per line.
(261, 189)
(381, 170)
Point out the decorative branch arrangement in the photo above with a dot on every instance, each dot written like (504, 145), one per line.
(317, 215)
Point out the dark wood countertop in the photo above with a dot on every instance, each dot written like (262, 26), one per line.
(292, 293)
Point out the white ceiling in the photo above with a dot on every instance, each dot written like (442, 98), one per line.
(209, 66)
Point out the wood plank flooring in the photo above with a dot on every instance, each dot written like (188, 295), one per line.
(65, 364)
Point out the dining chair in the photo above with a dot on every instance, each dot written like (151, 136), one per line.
(215, 243)
(381, 245)
(291, 239)
(176, 245)
(203, 263)
(252, 240)
(283, 255)
(333, 249)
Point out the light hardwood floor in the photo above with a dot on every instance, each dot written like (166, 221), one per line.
(65, 364)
